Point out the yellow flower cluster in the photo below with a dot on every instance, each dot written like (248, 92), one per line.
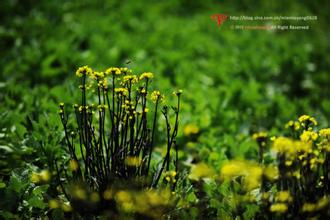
(190, 129)
(156, 96)
(151, 203)
(43, 177)
(55, 204)
(250, 171)
(308, 136)
(84, 70)
(170, 176)
(307, 121)
(146, 75)
(291, 148)
(113, 71)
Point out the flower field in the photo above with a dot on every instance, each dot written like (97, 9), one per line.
(152, 110)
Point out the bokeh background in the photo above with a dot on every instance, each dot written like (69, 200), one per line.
(235, 82)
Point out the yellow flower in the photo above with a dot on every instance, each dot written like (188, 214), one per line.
(45, 175)
(125, 70)
(279, 207)
(308, 207)
(80, 193)
(94, 197)
(251, 172)
(190, 129)
(113, 71)
(201, 170)
(66, 207)
(53, 204)
(133, 161)
(84, 70)
(121, 91)
(271, 172)
(73, 165)
(307, 120)
(307, 136)
(146, 75)
(35, 178)
(131, 78)
(283, 196)
(293, 125)
(156, 96)
(325, 133)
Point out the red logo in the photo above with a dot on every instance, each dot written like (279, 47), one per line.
(220, 18)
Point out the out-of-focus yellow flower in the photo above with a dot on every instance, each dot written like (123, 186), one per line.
(84, 70)
(45, 175)
(94, 197)
(309, 207)
(260, 135)
(251, 172)
(79, 193)
(66, 207)
(146, 75)
(201, 170)
(283, 196)
(293, 125)
(279, 207)
(35, 178)
(53, 204)
(130, 78)
(113, 71)
(271, 172)
(108, 194)
(73, 165)
(325, 133)
(307, 136)
(156, 96)
(290, 148)
(125, 70)
(133, 161)
(97, 75)
(121, 91)
(190, 129)
(307, 120)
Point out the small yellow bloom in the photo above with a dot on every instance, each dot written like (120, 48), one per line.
(307, 136)
(146, 75)
(190, 129)
(308, 207)
(201, 170)
(325, 133)
(35, 178)
(283, 196)
(133, 161)
(84, 70)
(53, 204)
(73, 165)
(156, 96)
(113, 71)
(307, 120)
(45, 175)
(279, 207)
(66, 207)
(94, 197)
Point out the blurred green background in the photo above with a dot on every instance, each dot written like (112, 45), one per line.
(235, 82)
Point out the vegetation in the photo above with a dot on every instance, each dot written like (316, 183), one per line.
(247, 137)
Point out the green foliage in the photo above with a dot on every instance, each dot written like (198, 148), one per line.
(235, 83)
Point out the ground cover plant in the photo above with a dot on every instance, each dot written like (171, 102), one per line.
(251, 140)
